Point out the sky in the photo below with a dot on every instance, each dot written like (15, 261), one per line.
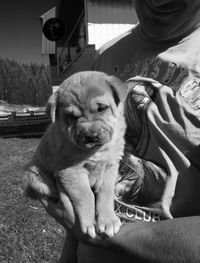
(21, 31)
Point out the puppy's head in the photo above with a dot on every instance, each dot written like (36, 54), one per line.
(87, 108)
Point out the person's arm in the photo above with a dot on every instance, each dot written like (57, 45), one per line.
(140, 182)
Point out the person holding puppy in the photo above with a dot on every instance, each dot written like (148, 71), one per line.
(159, 59)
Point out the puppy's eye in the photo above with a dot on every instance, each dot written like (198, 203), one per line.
(71, 117)
(102, 107)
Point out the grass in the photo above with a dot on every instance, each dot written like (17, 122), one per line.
(27, 232)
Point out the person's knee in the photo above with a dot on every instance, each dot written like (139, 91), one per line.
(96, 254)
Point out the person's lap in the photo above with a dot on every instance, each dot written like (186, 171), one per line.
(93, 254)
(115, 249)
(174, 240)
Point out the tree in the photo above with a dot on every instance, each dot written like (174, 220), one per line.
(24, 83)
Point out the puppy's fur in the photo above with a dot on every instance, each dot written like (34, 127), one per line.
(79, 154)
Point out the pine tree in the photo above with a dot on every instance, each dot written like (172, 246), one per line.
(24, 83)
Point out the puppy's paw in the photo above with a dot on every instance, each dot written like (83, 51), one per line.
(109, 225)
(89, 230)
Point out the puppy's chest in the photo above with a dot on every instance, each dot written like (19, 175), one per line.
(96, 171)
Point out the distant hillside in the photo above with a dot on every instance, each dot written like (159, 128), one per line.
(24, 83)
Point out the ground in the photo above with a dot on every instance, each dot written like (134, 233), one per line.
(27, 232)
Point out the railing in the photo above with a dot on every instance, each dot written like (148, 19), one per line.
(23, 124)
(20, 116)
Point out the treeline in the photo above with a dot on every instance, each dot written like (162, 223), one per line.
(24, 83)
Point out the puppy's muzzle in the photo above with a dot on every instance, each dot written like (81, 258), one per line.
(90, 138)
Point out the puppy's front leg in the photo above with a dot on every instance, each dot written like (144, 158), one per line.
(108, 222)
(75, 184)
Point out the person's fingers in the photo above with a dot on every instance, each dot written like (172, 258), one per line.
(57, 211)
(66, 219)
(67, 208)
(44, 202)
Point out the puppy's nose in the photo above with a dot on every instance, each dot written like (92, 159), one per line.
(88, 138)
(92, 139)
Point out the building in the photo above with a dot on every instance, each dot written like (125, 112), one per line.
(88, 25)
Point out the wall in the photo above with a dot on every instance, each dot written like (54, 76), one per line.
(107, 19)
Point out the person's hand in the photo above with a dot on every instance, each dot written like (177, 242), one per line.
(139, 181)
(64, 214)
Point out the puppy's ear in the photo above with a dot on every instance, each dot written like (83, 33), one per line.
(52, 106)
(118, 88)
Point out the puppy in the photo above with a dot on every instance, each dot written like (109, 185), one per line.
(79, 154)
